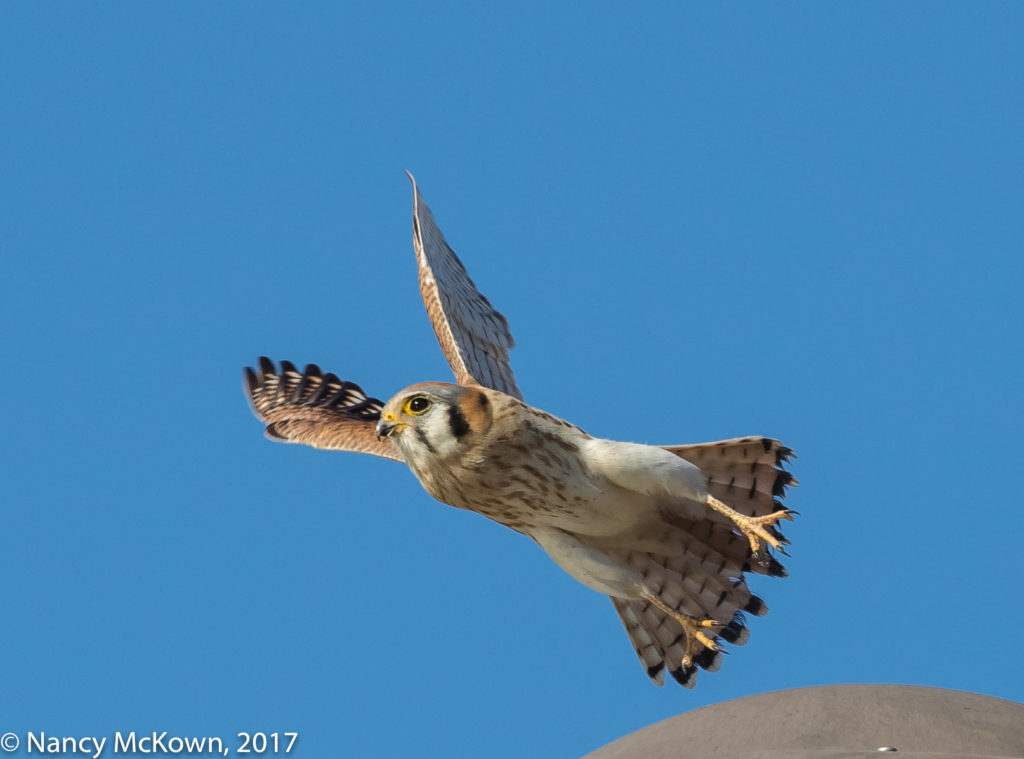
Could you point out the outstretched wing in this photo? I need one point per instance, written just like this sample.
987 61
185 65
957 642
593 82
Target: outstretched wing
474 336
316 409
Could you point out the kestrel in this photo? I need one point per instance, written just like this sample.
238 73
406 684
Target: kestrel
668 533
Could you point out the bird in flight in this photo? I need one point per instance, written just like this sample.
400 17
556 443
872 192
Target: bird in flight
669 533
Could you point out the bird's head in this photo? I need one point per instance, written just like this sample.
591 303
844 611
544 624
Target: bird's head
434 420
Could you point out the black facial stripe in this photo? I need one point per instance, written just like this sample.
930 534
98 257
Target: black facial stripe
423 439
457 422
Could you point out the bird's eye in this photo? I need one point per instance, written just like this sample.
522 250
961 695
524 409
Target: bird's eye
417 405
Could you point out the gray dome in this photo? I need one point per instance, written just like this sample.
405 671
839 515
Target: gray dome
835 721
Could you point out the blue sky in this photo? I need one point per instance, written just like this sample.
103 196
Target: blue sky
702 221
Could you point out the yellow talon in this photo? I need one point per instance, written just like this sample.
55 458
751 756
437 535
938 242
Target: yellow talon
754 527
693 629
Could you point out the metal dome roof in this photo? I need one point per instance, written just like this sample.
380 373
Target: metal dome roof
835 721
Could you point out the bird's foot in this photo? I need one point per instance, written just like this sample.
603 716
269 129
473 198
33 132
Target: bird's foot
758 530
696 637
700 633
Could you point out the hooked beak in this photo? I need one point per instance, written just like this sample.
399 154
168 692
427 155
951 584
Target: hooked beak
385 427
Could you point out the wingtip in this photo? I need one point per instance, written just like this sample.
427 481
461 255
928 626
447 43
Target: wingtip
271 433
251 387
411 178
251 380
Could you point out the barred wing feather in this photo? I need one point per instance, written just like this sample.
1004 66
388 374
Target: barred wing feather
315 409
473 334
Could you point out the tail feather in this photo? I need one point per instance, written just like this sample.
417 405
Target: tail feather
646 644
720 540
747 473
692 576
697 566
682 583
660 645
685 586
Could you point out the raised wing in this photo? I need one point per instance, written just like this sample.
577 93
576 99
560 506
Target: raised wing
316 409
474 336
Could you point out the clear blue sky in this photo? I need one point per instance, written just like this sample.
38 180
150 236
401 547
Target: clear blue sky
702 221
